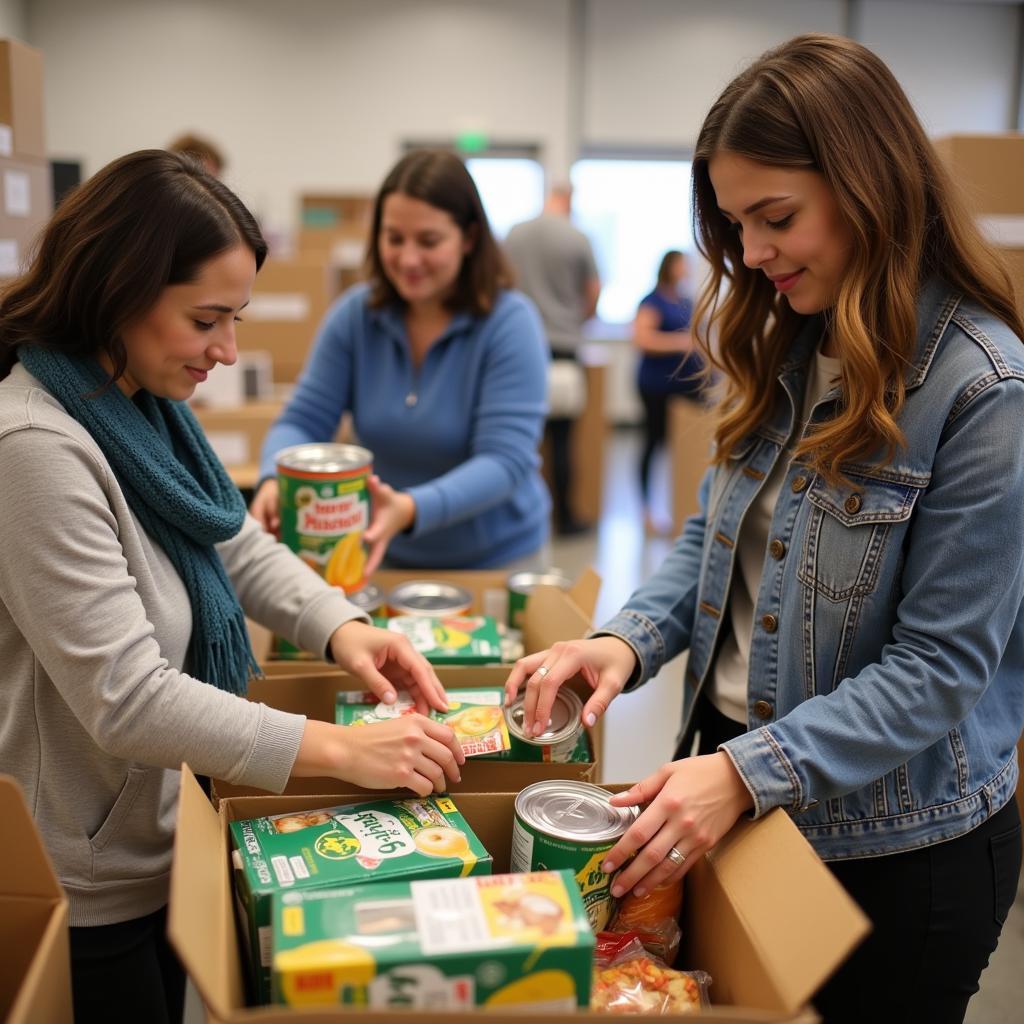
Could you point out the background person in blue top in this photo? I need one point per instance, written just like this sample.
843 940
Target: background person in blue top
668 364
851 593
444 369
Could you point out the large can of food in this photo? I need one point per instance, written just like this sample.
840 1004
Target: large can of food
566 824
429 597
521 584
325 507
558 742
369 599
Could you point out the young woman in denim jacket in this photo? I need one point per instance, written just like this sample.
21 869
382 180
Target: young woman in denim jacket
850 593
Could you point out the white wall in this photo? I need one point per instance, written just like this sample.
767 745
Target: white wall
14 19
306 94
302 95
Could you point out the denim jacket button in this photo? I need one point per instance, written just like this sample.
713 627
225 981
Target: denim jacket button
852 504
799 484
763 709
776 549
770 623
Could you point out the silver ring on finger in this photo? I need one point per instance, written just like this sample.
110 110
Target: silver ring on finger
543 671
676 856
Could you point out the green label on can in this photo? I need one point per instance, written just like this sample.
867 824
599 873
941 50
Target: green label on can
533 850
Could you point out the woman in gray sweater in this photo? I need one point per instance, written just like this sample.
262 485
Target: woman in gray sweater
129 564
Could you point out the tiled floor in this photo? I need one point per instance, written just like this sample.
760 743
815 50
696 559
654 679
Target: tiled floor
640 728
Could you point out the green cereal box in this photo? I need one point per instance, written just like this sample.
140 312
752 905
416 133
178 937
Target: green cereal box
451 640
505 941
475 714
346 845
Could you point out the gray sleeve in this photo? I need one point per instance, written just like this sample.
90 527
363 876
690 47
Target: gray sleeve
279 591
66 584
588 264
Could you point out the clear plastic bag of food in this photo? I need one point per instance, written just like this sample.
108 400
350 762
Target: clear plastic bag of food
654 917
628 979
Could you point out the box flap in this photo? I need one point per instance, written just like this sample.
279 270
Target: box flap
27 868
200 919
549 617
585 590
795 915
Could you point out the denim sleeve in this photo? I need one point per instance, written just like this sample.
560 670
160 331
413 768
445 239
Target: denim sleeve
961 592
657 620
507 422
324 388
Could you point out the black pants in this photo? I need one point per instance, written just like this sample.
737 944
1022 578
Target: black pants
126 972
936 915
655 429
560 433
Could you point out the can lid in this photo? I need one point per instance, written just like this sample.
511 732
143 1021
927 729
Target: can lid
566 715
565 809
424 597
324 458
523 582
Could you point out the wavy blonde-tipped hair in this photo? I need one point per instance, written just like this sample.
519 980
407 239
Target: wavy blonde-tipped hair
827 104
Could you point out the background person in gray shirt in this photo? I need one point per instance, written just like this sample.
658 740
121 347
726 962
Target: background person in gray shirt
129 564
556 268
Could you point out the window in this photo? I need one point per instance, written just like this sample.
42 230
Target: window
632 211
511 188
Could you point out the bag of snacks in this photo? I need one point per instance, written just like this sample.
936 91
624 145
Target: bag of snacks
628 979
654 917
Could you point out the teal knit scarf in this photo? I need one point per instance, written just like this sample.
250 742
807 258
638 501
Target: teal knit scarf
178 489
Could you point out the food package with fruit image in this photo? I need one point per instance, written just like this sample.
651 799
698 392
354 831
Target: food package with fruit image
520 942
451 639
346 845
474 714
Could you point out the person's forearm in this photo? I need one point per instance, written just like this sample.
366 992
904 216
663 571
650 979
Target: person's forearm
322 751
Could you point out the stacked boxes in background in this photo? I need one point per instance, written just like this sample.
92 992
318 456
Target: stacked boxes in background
26 190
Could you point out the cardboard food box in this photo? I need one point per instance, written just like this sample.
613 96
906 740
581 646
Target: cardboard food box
35 969
762 914
989 168
519 941
289 300
344 845
473 713
691 428
236 435
26 202
21 101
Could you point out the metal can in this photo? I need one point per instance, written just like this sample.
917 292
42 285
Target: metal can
428 597
520 585
325 507
557 743
369 599
566 824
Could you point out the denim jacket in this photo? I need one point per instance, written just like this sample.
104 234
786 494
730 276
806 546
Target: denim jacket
886 681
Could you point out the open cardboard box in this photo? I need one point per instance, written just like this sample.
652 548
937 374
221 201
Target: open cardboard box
35 969
762 914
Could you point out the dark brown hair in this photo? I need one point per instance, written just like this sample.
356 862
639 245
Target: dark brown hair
666 264
827 104
146 221
440 178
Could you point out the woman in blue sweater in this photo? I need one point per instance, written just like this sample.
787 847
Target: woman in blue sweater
443 368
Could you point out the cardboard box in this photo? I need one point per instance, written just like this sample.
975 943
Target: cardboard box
35 969
21 101
989 167
351 211
763 915
690 434
26 202
289 301
236 435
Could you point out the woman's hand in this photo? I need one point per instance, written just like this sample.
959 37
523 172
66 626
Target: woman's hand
393 512
383 660
411 752
264 506
605 662
691 804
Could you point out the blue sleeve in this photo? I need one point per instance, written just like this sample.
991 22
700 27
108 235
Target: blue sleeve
507 422
323 392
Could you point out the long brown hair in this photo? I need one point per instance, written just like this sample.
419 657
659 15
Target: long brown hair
827 104
440 178
148 220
